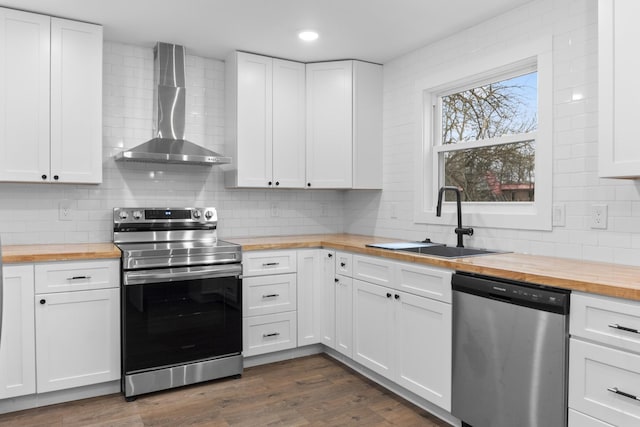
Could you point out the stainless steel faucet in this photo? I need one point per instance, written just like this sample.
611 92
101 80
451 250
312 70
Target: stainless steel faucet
460 231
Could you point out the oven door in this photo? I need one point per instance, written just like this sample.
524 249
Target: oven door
173 316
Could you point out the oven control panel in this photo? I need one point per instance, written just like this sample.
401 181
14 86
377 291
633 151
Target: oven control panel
166 215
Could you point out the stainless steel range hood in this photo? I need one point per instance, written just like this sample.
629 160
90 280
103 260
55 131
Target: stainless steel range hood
169 145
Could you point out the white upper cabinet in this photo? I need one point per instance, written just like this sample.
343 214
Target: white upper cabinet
344 125
24 96
50 99
76 101
329 124
288 124
265 121
619 94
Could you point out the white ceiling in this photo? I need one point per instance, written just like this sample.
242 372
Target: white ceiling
371 30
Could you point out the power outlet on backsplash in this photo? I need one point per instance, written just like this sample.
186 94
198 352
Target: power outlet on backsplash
599 216
65 211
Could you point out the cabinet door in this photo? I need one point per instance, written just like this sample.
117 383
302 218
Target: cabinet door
76 101
24 96
328 298
329 124
423 343
618 94
344 315
78 338
310 294
288 124
373 327
254 120
17 345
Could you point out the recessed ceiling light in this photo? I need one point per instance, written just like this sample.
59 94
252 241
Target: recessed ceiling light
308 35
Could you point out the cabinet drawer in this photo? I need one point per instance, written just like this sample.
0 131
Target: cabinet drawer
610 321
261 263
594 371
344 263
271 332
373 270
578 419
427 282
77 276
269 294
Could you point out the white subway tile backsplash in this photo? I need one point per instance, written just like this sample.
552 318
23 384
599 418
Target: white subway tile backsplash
573 27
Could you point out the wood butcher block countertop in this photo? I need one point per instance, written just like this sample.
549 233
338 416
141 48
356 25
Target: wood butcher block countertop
595 277
59 252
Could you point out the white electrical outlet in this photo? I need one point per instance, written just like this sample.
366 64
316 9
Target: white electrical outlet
598 216
65 213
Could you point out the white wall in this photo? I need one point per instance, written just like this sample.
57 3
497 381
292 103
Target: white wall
573 26
29 212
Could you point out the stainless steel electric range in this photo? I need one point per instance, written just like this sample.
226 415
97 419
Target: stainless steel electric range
181 298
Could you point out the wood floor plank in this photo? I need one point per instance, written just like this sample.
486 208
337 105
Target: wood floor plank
314 391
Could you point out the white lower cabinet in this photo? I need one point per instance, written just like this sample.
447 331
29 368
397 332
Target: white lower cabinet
270 332
66 337
423 342
405 338
344 315
328 298
604 361
270 301
77 338
578 419
373 325
309 295
17 343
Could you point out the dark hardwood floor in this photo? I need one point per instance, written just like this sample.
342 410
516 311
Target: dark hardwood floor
309 391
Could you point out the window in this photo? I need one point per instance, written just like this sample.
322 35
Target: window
487 130
485 139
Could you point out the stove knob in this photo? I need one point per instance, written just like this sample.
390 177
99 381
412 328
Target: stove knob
208 214
137 214
124 215
196 214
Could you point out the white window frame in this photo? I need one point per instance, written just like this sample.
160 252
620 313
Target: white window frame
532 55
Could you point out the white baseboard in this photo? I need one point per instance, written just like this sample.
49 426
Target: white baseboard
44 399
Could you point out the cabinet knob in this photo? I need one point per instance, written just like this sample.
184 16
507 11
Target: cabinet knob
330 255
277 183
42 301
55 177
397 296
336 280
308 184
342 264
269 183
44 176
388 295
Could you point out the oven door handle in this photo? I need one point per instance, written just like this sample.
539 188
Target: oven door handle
142 277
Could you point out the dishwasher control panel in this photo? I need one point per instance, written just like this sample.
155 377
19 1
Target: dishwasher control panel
521 293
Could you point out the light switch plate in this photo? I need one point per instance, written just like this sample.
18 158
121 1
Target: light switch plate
558 216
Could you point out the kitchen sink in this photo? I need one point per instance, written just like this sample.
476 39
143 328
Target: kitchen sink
448 251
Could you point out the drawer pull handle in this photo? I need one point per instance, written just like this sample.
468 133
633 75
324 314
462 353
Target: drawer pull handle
78 277
622 393
623 328
272 334
270 264
270 295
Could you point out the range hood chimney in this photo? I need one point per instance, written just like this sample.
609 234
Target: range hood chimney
169 145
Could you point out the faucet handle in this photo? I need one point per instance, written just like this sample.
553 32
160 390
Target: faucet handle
464 230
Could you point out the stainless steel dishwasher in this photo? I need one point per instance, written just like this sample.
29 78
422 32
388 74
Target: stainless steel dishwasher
510 353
